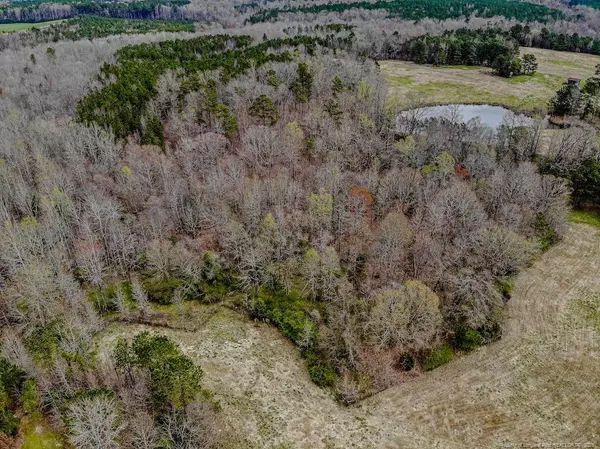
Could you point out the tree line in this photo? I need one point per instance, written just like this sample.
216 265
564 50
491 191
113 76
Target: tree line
554 41
41 11
90 27
580 168
434 9
487 47
590 3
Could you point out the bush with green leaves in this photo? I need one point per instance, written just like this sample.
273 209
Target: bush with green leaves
11 380
43 343
104 299
529 64
547 235
9 423
175 380
566 100
438 357
507 67
321 372
161 291
505 287
583 176
286 311
467 339
289 312
212 271
30 398
585 182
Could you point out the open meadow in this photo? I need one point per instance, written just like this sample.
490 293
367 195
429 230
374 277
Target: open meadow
468 84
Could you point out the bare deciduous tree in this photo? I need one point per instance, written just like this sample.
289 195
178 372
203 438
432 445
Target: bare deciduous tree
408 317
94 423
144 432
390 250
473 299
193 428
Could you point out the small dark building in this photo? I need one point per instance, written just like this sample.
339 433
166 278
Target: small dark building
574 81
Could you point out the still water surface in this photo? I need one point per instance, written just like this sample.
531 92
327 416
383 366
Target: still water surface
487 114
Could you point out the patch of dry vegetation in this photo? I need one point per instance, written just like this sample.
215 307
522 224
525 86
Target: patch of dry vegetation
455 84
537 384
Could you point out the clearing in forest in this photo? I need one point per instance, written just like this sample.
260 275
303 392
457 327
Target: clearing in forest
8 27
468 84
538 384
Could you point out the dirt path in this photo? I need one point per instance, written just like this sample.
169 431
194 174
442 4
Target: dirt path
540 383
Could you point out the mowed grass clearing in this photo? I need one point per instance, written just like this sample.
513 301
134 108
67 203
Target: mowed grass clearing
465 84
585 217
10 27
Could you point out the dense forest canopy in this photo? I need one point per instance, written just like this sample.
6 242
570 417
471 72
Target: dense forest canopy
27 3
39 11
93 27
590 3
131 83
435 9
149 181
281 161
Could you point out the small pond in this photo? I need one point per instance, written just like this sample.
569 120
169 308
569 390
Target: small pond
487 114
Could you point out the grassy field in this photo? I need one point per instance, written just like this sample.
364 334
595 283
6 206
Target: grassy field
463 84
585 217
8 27
37 435
537 385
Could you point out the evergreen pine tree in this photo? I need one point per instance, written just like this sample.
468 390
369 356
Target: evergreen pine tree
272 79
154 134
302 87
338 86
263 109
334 110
